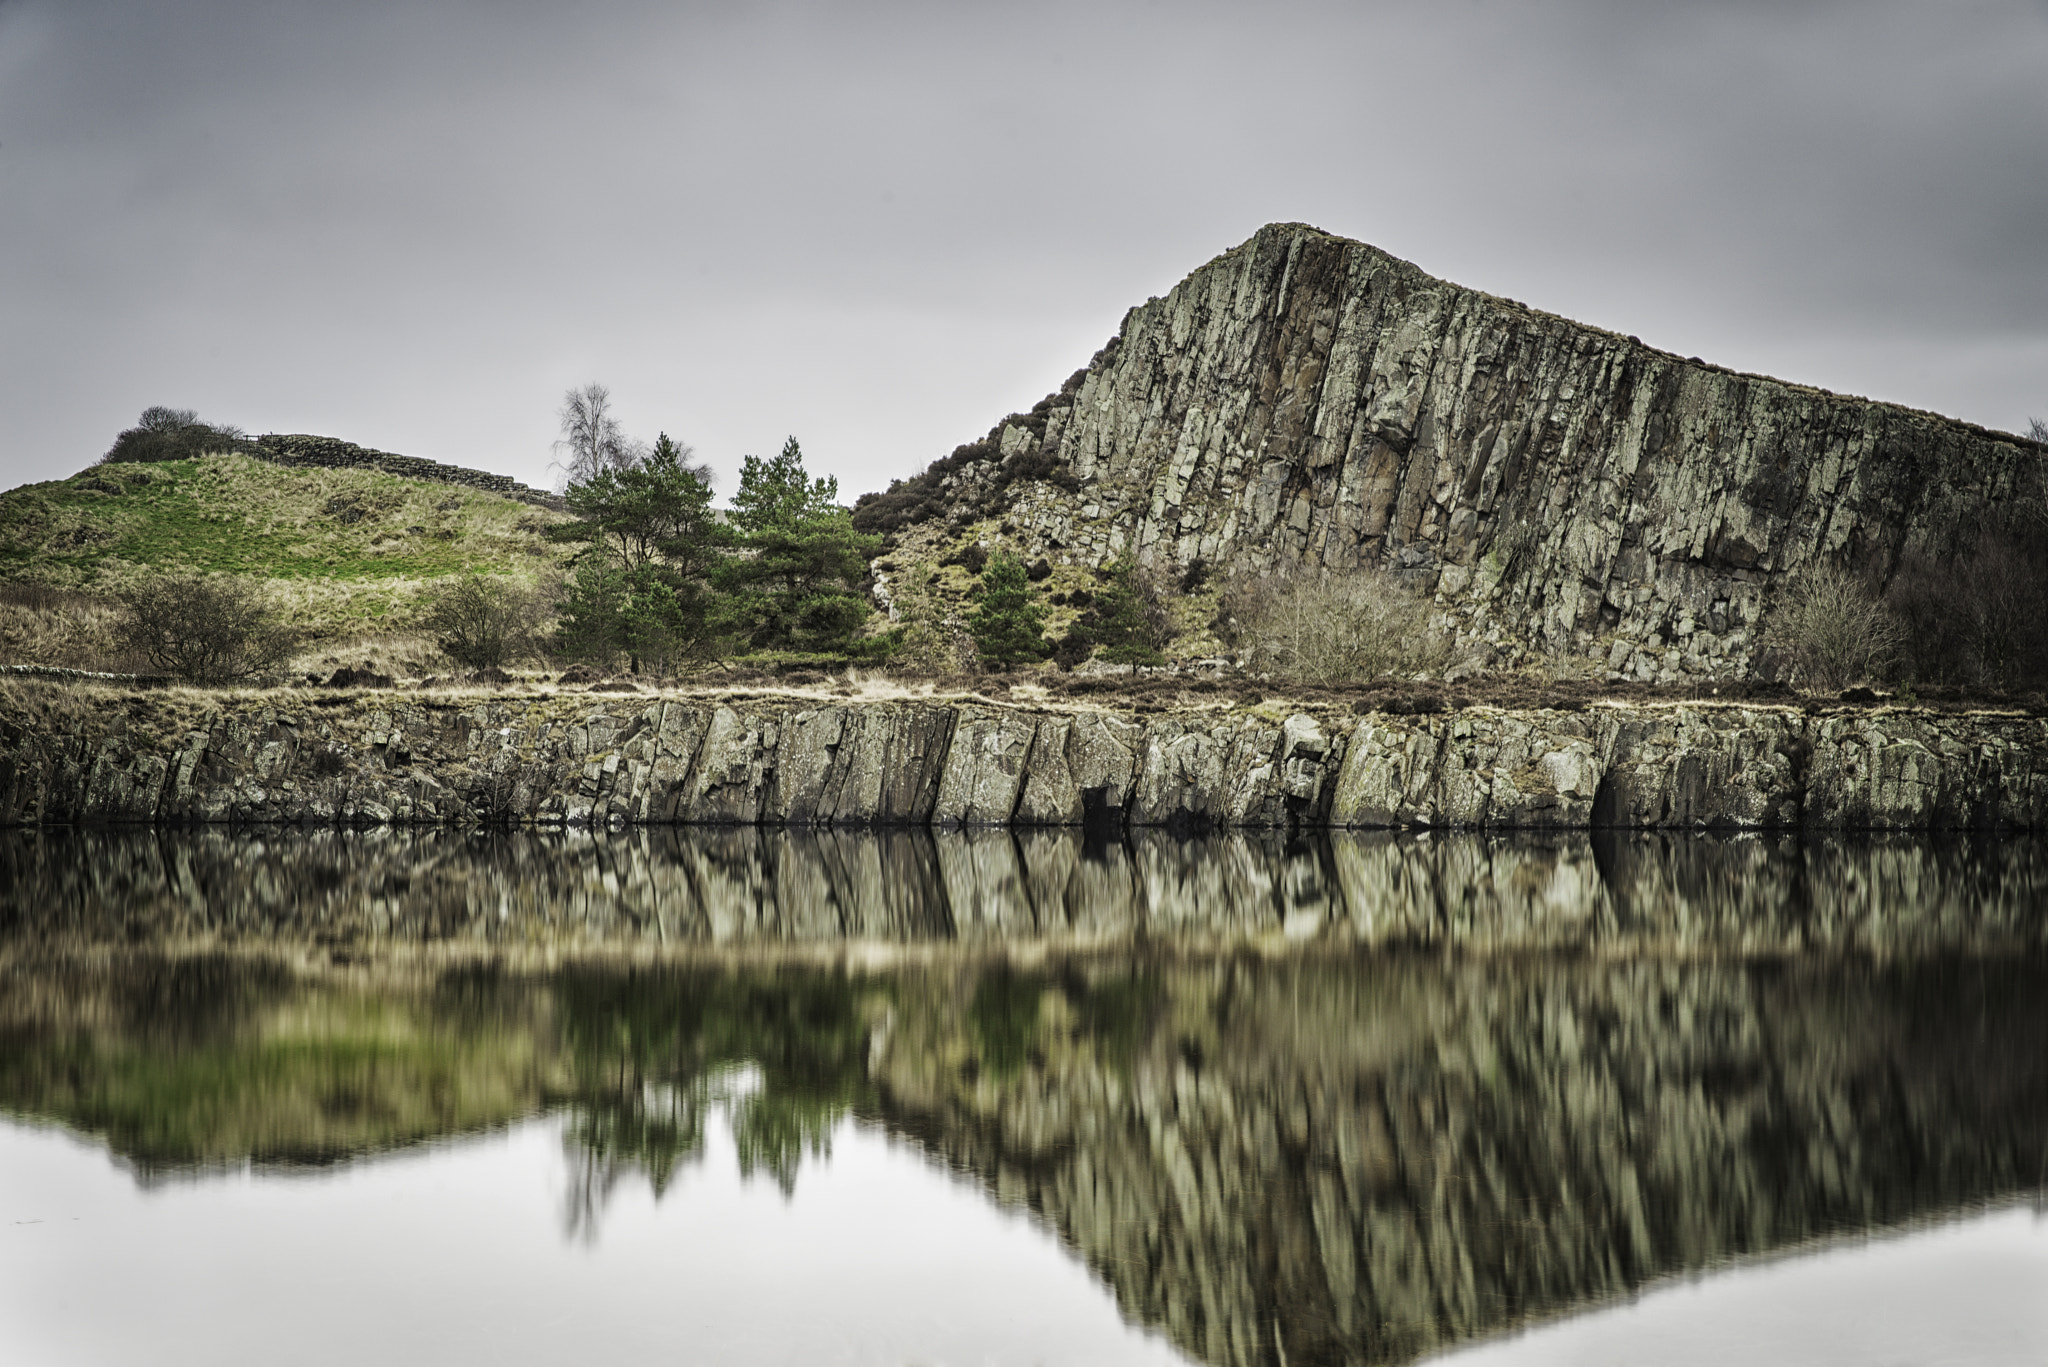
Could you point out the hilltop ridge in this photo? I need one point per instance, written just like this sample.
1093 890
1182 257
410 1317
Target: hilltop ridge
1558 490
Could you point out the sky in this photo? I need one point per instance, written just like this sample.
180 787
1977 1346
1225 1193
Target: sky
880 227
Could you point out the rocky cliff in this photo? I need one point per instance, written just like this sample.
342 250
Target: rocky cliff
1308 400
368 759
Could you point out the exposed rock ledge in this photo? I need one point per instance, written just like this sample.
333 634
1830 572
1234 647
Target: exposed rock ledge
372 759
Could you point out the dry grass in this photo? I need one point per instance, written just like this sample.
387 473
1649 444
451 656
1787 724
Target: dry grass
40 625
1334 630
340 551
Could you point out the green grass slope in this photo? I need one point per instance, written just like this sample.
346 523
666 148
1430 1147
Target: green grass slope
345 552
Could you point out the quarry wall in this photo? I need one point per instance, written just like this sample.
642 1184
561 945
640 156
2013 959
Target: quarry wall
576 759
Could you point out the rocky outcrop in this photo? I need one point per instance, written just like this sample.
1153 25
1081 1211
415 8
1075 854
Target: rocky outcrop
332 453
1308 400
358 760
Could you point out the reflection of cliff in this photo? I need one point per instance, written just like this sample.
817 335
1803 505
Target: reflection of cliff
1320 1156
671 888
1351 1161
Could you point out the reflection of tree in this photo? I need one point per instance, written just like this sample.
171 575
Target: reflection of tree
612 1137
784 1054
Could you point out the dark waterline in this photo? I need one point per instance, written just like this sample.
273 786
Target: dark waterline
1240 1080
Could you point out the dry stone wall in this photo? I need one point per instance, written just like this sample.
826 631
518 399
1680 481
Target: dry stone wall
1305 400
357 760
331 453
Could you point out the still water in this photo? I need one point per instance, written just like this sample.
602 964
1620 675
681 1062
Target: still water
749 1097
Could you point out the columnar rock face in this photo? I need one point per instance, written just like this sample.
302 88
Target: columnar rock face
778 761
1308 400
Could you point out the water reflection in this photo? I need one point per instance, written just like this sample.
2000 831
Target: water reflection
1617 892
1328 1155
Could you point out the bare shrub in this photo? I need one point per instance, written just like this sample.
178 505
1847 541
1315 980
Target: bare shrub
208 629
1331 629
1832 629
481 623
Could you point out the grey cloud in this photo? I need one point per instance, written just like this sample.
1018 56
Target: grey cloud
882 226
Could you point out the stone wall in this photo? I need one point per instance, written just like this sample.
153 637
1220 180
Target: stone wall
366 759
331 453
1308 400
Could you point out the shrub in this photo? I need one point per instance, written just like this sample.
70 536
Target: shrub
1832 629
1979 616
1330 629
175 434
1008 627
1129 619
480 623
206 629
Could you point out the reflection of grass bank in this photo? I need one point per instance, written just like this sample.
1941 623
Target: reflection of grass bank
239 1062
218 1059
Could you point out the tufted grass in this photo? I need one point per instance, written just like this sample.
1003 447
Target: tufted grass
341 552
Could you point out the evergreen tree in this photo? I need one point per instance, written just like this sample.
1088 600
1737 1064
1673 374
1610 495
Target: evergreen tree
801 588
641 589
1124 625
779 495
1008 627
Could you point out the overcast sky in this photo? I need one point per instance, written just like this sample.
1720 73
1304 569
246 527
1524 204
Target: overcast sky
882 226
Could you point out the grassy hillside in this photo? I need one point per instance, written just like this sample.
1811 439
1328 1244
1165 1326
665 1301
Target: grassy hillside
346 552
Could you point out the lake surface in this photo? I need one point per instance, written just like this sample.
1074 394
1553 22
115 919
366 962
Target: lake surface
743 1096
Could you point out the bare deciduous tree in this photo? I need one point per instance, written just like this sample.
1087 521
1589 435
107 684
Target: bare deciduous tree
592 441
1833 629
480 623
209 629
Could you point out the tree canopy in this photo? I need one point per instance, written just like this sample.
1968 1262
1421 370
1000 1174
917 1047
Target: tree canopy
1008 627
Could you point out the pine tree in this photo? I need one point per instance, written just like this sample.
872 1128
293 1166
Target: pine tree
640 589
1124 625
801 587
1008 628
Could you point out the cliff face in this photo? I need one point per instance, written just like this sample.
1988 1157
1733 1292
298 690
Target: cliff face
1305 399
370 760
